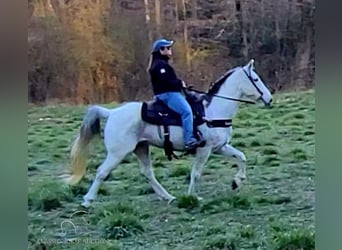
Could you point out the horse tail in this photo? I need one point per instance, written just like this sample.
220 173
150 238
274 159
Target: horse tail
79 148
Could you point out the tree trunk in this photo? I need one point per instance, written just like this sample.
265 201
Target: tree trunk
176 13
30 11
185 36
148 20
244 32
194 9
158 17
59 9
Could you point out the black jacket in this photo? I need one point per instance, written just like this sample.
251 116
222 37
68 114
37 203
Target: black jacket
163 76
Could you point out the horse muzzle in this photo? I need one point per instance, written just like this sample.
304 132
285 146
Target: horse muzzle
266 103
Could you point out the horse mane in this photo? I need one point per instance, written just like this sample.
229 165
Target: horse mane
215 86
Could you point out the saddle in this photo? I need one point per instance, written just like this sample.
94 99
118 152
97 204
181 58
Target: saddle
157 113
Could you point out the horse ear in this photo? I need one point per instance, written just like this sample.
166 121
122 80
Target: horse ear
251 64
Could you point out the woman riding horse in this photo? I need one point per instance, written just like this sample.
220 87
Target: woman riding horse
167 88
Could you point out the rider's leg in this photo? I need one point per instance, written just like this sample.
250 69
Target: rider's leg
177 102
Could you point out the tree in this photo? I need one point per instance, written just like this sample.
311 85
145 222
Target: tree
194 9
148 20
158 16
185 37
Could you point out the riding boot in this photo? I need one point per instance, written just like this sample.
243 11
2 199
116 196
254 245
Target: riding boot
194 144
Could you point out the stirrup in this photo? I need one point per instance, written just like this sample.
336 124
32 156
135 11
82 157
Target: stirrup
192 150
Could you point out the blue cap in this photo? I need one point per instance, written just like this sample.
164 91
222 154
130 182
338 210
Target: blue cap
161 43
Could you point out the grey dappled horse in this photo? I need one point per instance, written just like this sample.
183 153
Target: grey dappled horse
125 132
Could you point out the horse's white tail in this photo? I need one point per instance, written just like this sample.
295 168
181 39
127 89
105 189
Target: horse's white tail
79 148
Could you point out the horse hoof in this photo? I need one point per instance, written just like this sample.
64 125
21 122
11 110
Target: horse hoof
234 185
199 198
171 200
85 204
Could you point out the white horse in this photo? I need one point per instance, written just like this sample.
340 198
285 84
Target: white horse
125 132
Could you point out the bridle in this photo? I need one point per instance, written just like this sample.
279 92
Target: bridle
237 99
249 76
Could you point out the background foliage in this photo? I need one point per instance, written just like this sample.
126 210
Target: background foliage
86 51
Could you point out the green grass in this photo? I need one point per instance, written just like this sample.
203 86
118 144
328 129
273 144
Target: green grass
187 202
221 242
274 209
117 220
295 239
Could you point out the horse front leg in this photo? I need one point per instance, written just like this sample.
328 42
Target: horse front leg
229 152
202 155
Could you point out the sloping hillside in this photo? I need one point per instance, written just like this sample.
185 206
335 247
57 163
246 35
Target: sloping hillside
273 210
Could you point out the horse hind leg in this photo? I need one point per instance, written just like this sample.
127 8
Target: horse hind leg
115 154
102 172
143 154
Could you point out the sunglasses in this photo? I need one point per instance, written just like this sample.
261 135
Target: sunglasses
167 47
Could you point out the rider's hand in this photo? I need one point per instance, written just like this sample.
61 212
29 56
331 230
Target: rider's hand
184 84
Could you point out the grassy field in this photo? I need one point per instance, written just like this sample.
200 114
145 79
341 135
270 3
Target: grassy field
274 209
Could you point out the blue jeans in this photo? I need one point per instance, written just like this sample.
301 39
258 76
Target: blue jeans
177 102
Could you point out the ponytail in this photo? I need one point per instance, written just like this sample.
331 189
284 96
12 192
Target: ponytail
150 63
154 55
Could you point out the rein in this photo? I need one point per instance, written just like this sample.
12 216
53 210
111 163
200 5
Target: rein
223 97
231 98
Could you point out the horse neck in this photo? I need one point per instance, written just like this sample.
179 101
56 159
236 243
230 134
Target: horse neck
220 108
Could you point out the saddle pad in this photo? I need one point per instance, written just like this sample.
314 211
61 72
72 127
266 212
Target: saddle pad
157 113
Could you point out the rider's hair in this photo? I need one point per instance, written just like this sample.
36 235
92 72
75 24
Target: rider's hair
151 59
149 63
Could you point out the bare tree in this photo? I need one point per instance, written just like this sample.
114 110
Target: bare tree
242 11
185 37
148 19
194 9
158 16
176 13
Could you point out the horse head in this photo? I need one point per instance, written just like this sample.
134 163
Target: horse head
252 86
